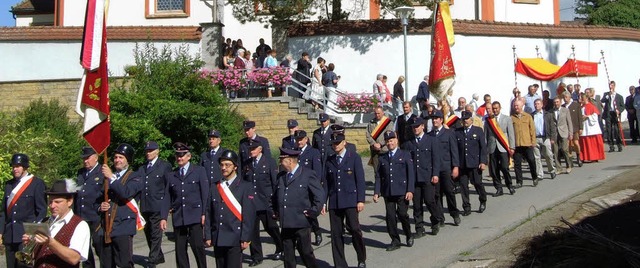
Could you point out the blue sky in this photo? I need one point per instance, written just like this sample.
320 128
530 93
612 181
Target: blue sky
6 18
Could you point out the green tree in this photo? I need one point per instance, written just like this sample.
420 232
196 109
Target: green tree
620 13
167 101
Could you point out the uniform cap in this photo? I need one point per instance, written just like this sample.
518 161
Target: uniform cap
299 134
437 114
151 145
390 135
285 152
417 122
248 124
254 144
323 117
465 115
214 133
337 137
291 123
87 151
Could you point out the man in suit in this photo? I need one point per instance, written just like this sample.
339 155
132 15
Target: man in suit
186 197
345 188
29 190
153 177
229 225
564 127
209 158
260 169
375 136
422 97
395 182
403 123
250 134
289 141
500 146
613 106
425 154
546 135
322 137
298 199
302 74
310 158
121 211
473 161
631 114
525 142
449 163
86 202
575 111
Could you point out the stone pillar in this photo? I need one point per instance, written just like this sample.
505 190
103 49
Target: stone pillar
279 36
211 44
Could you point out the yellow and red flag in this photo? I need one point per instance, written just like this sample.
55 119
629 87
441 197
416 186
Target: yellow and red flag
442 73
93 95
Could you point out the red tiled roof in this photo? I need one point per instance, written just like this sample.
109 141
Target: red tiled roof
26 4
50 33
468 27
27 7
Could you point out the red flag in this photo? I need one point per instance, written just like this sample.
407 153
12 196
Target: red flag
442 72
93 95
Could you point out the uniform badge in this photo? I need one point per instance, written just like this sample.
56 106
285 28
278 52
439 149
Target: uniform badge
475 136
349 172
97 179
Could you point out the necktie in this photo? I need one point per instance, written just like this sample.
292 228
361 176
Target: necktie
322 132
213 152
390 154
255 162
418 139
466 131
227 182
289 178
118 176
182 172
149 165
339 159
437 131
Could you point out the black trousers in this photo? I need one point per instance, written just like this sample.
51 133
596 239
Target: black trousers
153 234
473 175
447 190
271 226
10 254
315 226
525 152
193 235
425 193
499 163
337 218
228 257
118 253
300 238
396 208
613 132
633 126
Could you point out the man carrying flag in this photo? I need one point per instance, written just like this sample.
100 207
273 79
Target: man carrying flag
442 73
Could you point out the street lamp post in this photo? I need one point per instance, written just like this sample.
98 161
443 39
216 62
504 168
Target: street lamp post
404 12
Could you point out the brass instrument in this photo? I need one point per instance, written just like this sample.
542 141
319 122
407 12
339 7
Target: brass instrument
26 254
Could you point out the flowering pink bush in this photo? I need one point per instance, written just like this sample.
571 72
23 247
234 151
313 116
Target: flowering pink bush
237 79
232 80
359 103
277 76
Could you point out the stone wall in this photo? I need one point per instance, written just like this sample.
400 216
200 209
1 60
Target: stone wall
271 117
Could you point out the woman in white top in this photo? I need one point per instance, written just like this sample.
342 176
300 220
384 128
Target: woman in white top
317 91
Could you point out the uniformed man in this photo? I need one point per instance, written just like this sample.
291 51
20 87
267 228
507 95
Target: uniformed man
24 201
322 137
209 158
250 134
230 214
260 169
345 188
310 158
472 149
395 182
338 129
289 141
87 199
153 173
298 200
121 214
187 195
449 164
375 136
425 153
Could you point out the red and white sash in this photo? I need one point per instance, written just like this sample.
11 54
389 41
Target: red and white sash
133 206
230 200
17 192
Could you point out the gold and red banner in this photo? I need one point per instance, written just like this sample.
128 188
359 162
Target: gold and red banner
441 72
502 138
543 70
382 125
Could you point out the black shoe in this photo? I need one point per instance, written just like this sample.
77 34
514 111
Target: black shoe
483 206
151 265
420 233
498 193
535 182
318 240
579 162
410 241
362 265
435 229
393 247
512 190
466 212
611 150
277 256
518 184
553 176
619 148
255 263
456 220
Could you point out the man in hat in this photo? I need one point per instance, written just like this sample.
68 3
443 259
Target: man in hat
32 206
153 177
473 161
338 129
310 158
449 163
186 198
375 136
68 241
230 214
345 188
121 213
297 200
425 153
209 158
250 134
403 123
87 200
260 169
290 141
322 137
395 182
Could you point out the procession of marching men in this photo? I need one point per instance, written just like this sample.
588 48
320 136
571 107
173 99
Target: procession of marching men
226 199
